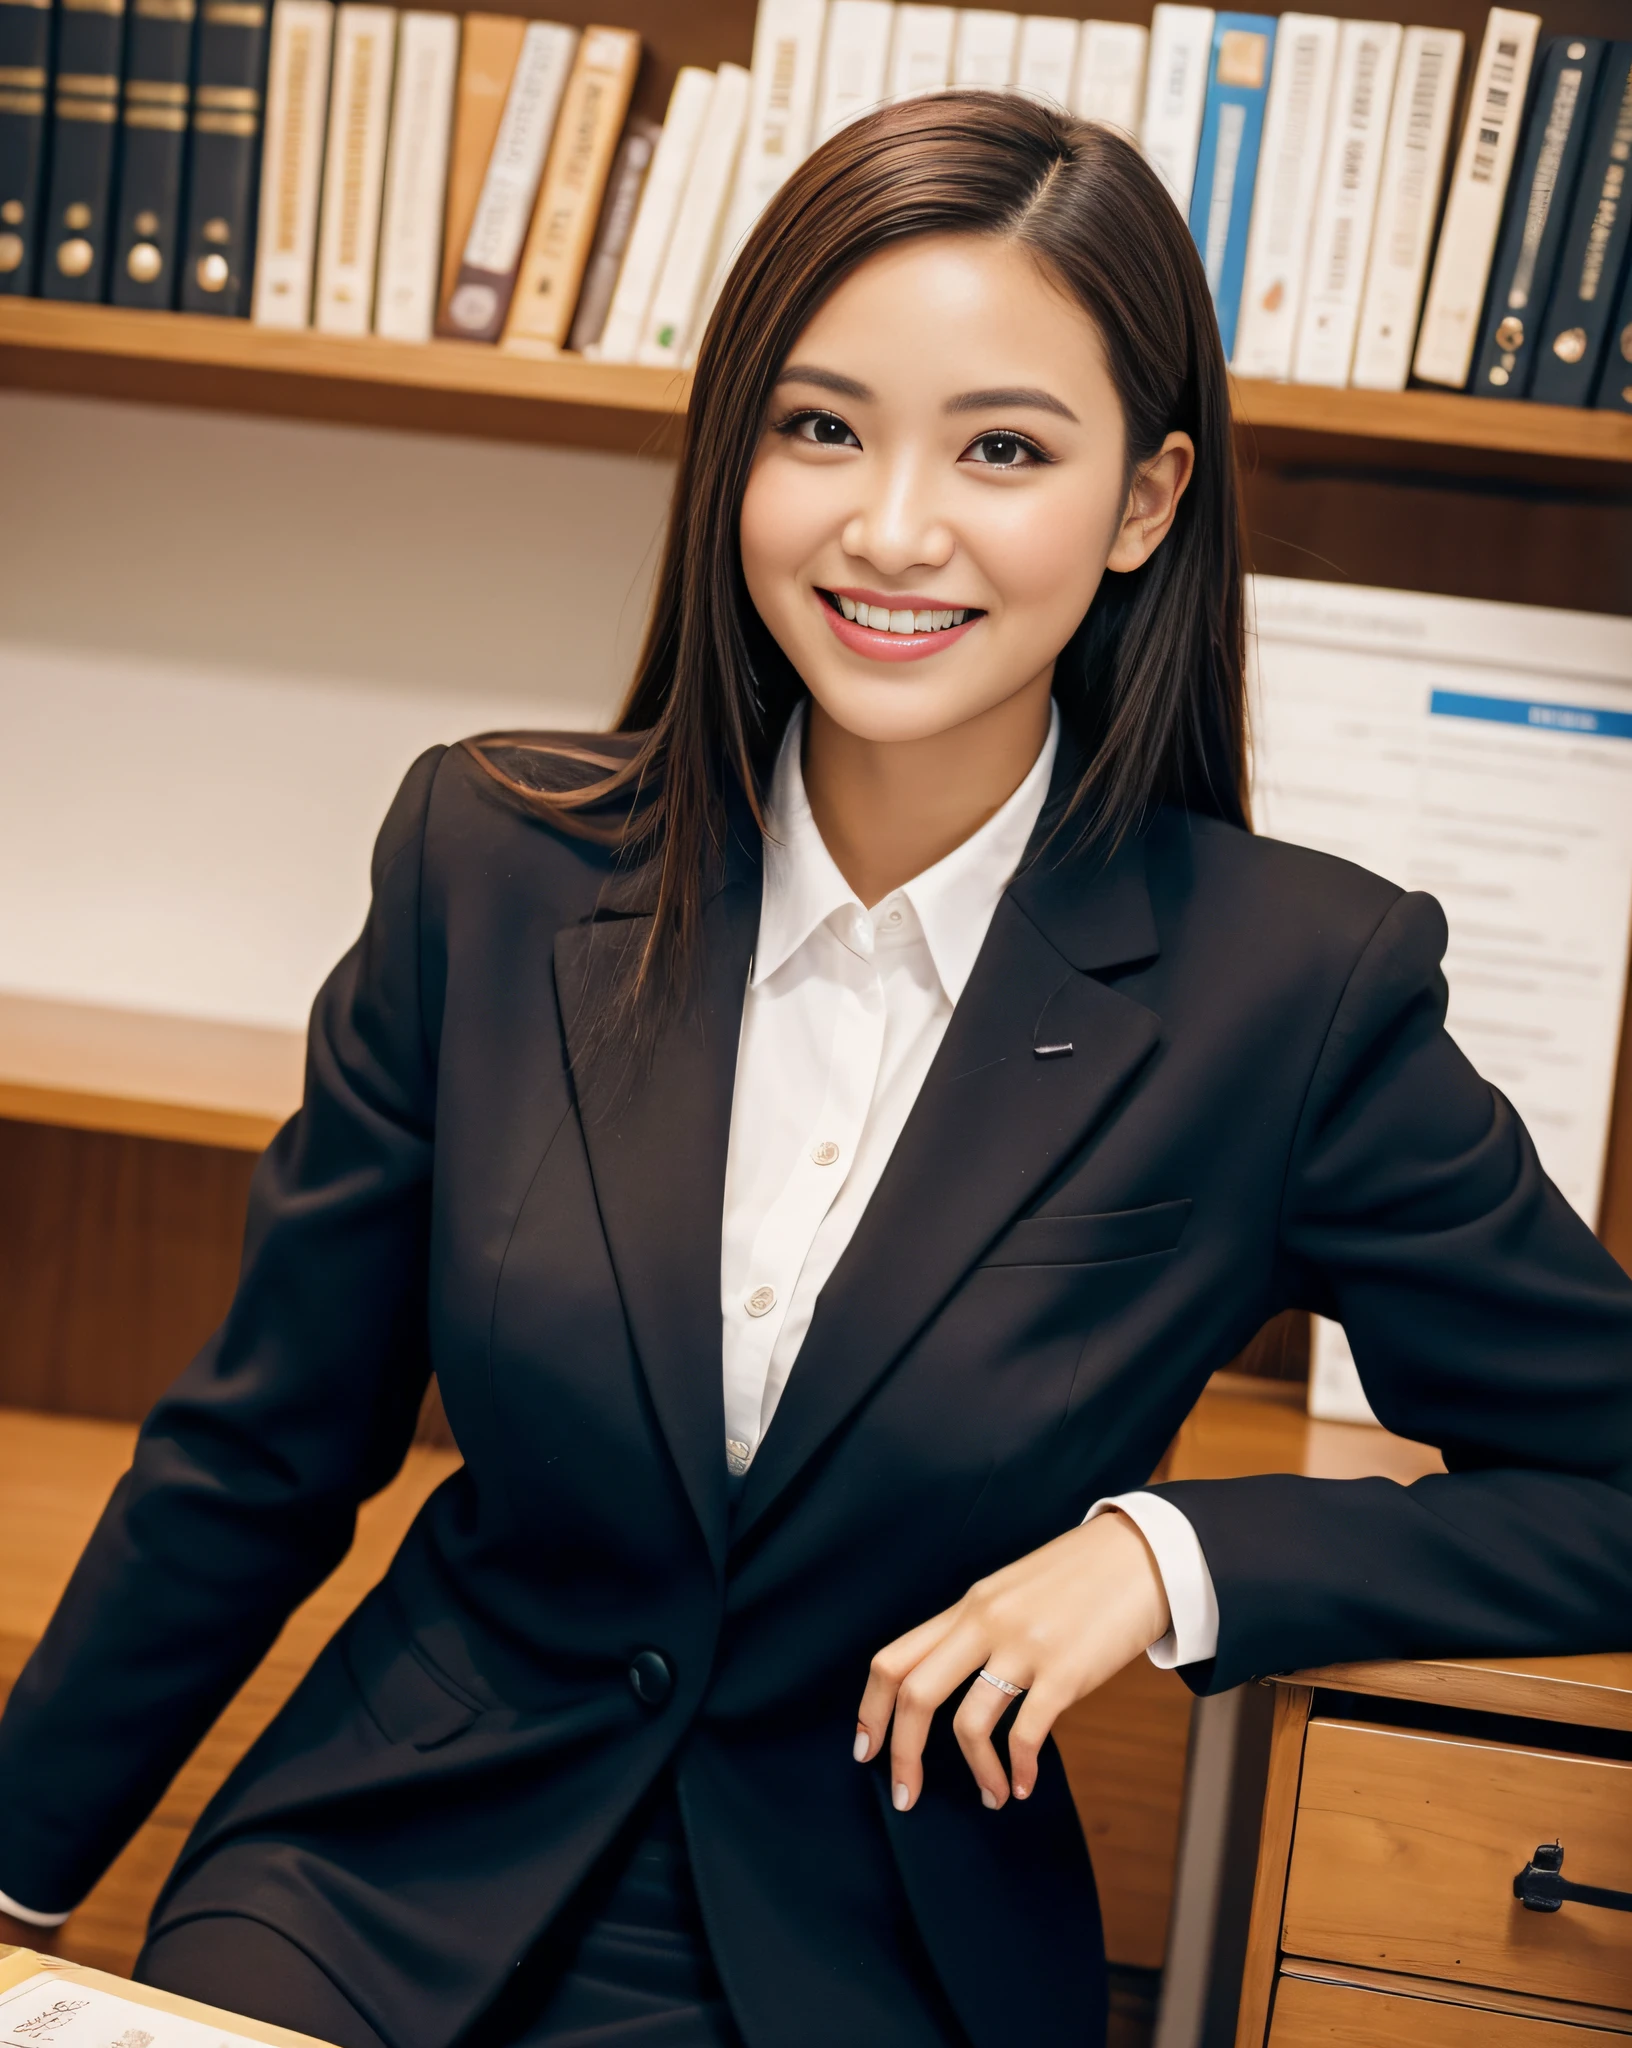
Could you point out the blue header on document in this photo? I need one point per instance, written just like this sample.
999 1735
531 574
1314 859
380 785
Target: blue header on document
1565 718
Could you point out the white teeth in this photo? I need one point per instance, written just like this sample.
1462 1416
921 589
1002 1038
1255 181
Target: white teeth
882 620
847 605
940 621
900 622
923 622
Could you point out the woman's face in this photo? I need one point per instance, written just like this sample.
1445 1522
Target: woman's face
940 486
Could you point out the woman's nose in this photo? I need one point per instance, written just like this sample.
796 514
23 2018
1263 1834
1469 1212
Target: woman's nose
897 523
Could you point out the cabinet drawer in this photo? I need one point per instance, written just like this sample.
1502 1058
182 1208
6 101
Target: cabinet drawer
1343 2016
1406 1847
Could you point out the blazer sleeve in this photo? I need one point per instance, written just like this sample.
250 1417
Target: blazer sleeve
243 1491
1485 1318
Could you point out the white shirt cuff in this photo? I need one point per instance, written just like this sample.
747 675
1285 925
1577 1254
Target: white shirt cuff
1191 1600
28 1916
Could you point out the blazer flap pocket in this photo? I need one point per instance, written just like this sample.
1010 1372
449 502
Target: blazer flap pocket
409 1700
1091 1240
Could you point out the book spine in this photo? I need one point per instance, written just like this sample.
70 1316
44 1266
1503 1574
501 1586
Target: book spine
487 266
920 50
416 176
1221 203
983 52
855 61
1368 55
224 143
1576 324
1550 154
1283 203
781 109
1045 61
85 115
1110 83
348 228
630 168
1419 134
580 161
659 204
1615 379
25 71
488 52
297 104
1473 210
152 150
1181 41
676 312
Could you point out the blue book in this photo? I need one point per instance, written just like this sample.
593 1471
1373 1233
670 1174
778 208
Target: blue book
1615 379
1570 351
1232 126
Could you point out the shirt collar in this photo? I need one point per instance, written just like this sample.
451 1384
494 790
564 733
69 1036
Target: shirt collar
954 900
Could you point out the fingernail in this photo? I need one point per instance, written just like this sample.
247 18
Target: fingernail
864 1746
902 1798
1022 1791
988 1800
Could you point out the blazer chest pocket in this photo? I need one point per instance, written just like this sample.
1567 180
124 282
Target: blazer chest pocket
408 1701
1092 1240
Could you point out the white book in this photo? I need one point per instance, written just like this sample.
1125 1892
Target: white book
781 109
1473 208
1181 41
1110 83
297 105
855 63
365 43
677 314
416 176
1419 133
1045 63
1368 55
1283 198
921 50
654 223
983 49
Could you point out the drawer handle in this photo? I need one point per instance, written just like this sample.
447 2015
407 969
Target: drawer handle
1542 1887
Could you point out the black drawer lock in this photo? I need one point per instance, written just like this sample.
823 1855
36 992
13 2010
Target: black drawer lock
1542 1887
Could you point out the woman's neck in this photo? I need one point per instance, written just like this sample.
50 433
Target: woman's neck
889 809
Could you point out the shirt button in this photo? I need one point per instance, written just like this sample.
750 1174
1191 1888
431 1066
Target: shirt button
736 1456
761 1301
651 1677
825 1153
893 918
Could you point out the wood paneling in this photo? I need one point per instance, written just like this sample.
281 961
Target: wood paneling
1586 1692
1406 1849
1479 1997
1313 2015
1274 1848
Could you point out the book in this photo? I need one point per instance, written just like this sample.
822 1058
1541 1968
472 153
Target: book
84 135
781 108
855 63
593 107
630 169
676 314
297 111
348 224
1232 126
416 176
25 70
1576 324
1045 59
1110 83
480 299
1473 207
983 49
1414 151
488 51
42 1997
654 223
1615 379
224 146
1368 56
1538 202
152 149
921 49
1283 203
1181 42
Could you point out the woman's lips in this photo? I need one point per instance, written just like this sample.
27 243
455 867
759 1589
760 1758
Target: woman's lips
879 644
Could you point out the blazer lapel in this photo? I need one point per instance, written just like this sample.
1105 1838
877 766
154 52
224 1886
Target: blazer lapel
656 1134
992 1123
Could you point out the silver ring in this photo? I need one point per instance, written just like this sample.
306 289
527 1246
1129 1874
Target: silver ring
1002 1684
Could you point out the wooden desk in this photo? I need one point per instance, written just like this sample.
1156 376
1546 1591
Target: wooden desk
1403 1801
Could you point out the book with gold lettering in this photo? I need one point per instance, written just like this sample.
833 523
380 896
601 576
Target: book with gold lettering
569 199
77 225
488 50
218 242
416 176
152 146
44 1999
348 229
297 109
25 70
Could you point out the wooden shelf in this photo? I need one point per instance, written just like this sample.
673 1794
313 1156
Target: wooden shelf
459 388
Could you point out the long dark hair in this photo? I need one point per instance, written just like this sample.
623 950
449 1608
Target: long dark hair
1150 685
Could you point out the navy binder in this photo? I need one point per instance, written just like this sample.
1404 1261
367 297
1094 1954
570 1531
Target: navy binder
74 231
1615 378
218 241
1570 348
25 70
153 143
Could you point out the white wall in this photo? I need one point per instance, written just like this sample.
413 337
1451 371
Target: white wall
222 640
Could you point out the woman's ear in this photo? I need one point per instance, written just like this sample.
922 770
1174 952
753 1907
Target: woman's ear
1153 501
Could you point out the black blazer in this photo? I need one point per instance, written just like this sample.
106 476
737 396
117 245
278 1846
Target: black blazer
1261 1109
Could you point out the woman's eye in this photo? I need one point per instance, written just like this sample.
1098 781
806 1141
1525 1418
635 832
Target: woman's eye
820 429
1005 451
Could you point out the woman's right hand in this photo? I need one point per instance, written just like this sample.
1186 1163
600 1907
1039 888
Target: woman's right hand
18 1934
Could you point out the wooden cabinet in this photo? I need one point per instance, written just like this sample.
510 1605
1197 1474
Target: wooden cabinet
1404 1800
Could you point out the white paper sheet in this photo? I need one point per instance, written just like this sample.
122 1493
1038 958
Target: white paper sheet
51 2011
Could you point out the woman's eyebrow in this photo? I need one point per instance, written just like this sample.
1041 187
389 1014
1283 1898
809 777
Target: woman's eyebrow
995 401
824 380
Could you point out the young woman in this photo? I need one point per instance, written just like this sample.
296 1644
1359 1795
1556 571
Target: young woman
822 1137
